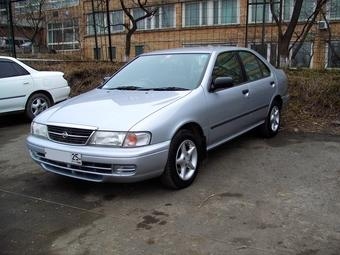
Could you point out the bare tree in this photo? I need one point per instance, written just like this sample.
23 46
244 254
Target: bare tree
131 24
286 31
33 17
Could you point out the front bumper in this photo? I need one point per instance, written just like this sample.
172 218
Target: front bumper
102 164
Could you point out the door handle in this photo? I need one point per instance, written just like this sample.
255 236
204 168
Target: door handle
272 84
245 92
26 83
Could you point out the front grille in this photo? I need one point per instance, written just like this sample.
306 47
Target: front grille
87 171
69 135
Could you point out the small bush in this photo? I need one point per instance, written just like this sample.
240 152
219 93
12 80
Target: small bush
315 100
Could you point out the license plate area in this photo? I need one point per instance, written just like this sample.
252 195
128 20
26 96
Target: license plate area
62 156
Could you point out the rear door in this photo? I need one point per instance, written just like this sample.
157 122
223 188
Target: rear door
15 86
261 85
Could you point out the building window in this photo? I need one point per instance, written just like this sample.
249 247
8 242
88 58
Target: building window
58 4
167 16
225 12
307 9
334 9
212 12
193 14
97 53
3 17
29 6
334 54
303 57
100 20
63 35
113 52
163 18
258 11
139 49
116 21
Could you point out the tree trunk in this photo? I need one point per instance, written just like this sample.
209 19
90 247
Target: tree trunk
284 52
128 46
128 43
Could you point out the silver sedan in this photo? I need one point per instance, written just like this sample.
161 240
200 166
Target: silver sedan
159 115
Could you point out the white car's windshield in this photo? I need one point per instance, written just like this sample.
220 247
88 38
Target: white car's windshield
161 72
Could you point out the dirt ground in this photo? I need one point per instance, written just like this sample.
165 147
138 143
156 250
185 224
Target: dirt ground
253 196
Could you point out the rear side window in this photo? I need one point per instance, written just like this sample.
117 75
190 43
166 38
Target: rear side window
11 69
255 69
228 65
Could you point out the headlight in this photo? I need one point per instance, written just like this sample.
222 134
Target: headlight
108 138
120 139
38 129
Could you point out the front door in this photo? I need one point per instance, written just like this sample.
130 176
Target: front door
227 106
15 85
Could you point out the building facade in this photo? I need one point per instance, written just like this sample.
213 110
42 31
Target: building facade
81 26
211 22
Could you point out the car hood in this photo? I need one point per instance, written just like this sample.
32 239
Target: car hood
116 110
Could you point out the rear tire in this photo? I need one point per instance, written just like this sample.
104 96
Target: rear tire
183 160
36 104
271 126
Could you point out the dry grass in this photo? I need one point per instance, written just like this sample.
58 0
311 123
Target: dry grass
82 76
314 105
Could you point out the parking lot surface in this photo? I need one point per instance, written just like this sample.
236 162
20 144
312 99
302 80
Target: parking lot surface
252 196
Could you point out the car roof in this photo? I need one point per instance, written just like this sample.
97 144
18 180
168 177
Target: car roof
207 49
28 68
6 57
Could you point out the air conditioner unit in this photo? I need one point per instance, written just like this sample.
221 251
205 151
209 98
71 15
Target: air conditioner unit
322 25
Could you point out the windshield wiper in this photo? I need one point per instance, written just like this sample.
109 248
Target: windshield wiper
169 88
127 88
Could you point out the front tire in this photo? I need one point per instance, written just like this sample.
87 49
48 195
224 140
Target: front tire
183 160
273 121
36 104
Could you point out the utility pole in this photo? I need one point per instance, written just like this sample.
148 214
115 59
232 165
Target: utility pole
109 28
11 28
95 30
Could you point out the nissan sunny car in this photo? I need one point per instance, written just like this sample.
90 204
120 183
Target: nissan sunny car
159 115
23 88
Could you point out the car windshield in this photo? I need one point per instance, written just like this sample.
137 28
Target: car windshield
161 72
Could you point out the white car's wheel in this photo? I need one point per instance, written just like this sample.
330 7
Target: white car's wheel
36 104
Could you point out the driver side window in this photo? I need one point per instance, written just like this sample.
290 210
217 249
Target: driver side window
227 65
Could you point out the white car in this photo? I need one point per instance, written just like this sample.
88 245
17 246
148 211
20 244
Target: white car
23 88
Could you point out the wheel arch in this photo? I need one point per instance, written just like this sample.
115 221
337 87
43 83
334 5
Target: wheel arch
197 130
278 99
46 93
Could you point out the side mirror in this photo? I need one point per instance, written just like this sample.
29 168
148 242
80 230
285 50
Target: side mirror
221 83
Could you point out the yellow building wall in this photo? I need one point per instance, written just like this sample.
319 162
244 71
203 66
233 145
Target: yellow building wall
183 36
